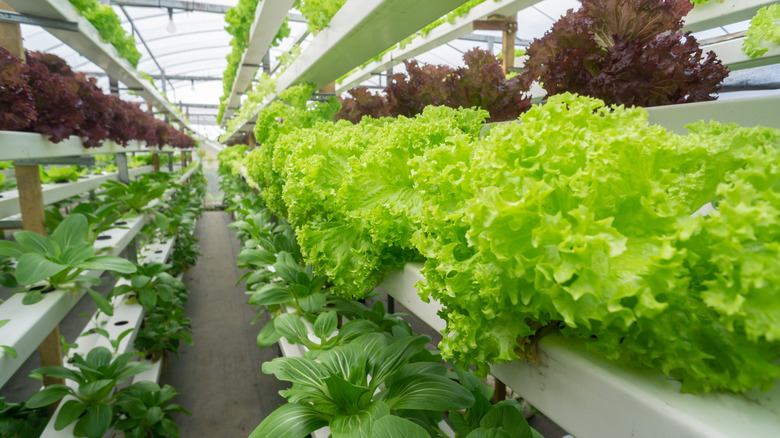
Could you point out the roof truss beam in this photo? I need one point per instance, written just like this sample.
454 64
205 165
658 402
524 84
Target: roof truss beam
174 4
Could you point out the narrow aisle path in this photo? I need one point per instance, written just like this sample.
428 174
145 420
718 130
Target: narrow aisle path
220 377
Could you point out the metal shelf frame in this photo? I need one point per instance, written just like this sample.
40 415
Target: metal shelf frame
358 31
269 17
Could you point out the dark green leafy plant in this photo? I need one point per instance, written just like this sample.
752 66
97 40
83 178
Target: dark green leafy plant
338 388
99 217
93 400
163 331
503 420
165 326
136 195
145 412
7 278
17 420
61 259
151 284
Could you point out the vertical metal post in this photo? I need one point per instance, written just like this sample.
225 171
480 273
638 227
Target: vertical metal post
124 177
113 86
390 304
267 63
121 165
170 162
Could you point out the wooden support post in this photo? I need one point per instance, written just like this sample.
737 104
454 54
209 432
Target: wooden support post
156 161
183 160
149 107
508 46
252 142
508 25
330 88
390 304
499 394
11 34
28 182
170 162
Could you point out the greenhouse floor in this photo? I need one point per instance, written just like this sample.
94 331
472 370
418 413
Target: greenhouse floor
220 376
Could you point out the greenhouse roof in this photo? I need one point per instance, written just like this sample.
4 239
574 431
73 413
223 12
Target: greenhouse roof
188 44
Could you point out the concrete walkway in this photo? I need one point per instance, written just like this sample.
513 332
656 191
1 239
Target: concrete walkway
220 377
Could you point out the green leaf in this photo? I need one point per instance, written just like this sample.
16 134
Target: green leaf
31 298
108 263
162 221
33 242
58 372
268 335
10 249
71 231
269 294
154 415
347 361
47 396
9 350
298 370
312 303
345 394
34 267
286 267
76 254
70 411
508 418
102 303
325 324
428 392
390 360
147 298
290 421
395 427
96 387
97 420
488 433
359 424
291 327
139 281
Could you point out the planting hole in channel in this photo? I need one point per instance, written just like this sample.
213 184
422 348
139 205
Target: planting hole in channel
103 237
43 288
120 323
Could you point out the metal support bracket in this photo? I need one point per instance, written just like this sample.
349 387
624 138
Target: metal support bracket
10 225
10 17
